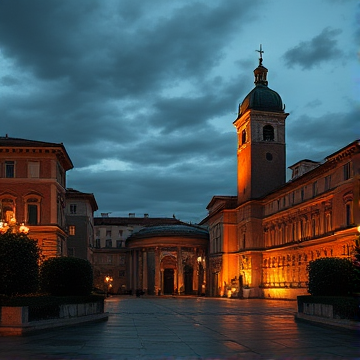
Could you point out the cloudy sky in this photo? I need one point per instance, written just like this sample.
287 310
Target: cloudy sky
143 93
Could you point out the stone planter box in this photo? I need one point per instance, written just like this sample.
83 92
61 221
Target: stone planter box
323 314
15 320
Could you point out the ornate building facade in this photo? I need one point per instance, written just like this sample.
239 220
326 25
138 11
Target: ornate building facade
32 190
169 260
113 258
264 237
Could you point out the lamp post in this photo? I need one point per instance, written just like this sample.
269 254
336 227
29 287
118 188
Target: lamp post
13 227
108 282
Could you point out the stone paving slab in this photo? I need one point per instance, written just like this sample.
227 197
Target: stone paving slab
188 328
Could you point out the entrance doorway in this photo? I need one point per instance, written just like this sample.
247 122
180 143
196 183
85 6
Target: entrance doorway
168 281
188 280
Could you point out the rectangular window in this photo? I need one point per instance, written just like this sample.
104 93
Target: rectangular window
72 208
119 243
72 230
33 169
327 182
315 188
9 169
71 252
121 273
121 233
97 243
108 233
302 194
32 214
348 215
108 243
347 171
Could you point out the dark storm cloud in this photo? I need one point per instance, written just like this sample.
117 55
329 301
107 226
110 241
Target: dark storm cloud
308 137
89 45
321 48
86 56
162 188
141 93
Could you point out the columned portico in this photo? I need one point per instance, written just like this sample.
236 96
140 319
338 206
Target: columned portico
169 260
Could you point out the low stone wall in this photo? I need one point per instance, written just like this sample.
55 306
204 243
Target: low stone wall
323 314
15 320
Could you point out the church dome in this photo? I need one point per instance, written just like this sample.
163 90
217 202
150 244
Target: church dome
261 97
170 230
169 235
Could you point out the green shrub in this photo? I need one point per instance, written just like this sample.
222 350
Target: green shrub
19 258
65 276
331 277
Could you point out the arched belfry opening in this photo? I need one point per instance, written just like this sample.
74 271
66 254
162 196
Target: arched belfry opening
268 133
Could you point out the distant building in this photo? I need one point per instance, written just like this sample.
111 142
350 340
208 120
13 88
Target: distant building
152 254
32 190
264 237
80 208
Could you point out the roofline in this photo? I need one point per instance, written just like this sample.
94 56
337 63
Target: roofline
26 143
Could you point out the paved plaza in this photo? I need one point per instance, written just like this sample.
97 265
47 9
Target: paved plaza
188 328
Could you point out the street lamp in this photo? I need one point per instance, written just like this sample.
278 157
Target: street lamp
13 226
108 282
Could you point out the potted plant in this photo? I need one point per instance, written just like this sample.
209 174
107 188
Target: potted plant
246 291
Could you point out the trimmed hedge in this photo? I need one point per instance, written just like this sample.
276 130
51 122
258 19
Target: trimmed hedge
65 276
19 270
331 277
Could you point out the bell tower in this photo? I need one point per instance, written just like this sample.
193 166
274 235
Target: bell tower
260 127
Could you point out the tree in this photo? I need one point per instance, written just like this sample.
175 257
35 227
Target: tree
19 259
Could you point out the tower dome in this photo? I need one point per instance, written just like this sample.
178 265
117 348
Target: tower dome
261 97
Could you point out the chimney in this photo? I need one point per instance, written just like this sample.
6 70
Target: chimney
132 215
146 215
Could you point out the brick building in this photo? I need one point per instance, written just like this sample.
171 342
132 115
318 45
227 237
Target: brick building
32 190
264 237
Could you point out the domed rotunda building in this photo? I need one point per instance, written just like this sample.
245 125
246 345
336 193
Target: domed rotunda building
168 259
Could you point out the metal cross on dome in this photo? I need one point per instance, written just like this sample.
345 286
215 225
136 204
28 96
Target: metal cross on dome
261 51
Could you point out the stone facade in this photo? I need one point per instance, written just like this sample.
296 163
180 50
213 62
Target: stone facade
32 190
169 260
264 237
80 208
111 256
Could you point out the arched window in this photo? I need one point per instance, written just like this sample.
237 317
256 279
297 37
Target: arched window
243 137
7 209
32 209
348 201
268 133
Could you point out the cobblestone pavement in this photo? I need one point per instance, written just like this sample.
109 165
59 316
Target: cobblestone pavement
188 328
